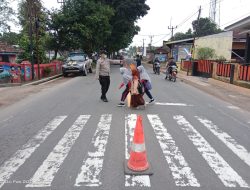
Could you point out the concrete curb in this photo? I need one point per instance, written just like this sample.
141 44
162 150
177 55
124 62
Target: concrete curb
43 80
10 85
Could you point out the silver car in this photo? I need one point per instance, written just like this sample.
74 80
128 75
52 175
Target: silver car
77 63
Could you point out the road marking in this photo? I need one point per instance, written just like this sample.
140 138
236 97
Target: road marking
11 166
233 107
46 172
132 180
181 172
227 175
238 149
92 165
7 119
171 104
232 96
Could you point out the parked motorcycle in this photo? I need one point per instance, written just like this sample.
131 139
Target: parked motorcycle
172 73
157 67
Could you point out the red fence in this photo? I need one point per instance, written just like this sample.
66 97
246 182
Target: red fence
15 73
244 72
223 69
186 65
205 66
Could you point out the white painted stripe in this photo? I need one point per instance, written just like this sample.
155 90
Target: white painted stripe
131 180
11 166
182 173
227 175
171 104
46 172
138 147
231 143
233 107
92 165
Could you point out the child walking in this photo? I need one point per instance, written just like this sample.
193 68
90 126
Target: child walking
127 78
146 82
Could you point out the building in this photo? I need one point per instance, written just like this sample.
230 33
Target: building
180 49
8 53
241 34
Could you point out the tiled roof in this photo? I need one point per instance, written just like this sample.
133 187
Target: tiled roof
4 47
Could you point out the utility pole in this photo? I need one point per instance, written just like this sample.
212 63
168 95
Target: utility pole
37 23
198 21
171 28
143 47
195 34
30 15
151 40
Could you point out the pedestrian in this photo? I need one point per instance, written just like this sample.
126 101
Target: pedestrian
136 89
138 61
103 73
146 82
127 78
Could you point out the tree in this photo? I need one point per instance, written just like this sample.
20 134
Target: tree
6 15
127 12
80 25
205 27
181 36
11 38
32 18
95 24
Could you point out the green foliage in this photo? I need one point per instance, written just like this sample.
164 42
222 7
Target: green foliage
24 44
47 71
6 15
11 38
80 25
127 12
205 53
33 27
181 36
202 28
93 24
221 58
205 27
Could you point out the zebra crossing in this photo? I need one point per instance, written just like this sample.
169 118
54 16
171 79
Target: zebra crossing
90 173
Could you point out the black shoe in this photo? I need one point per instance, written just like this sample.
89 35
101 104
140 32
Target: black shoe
105 99
151 101
121 105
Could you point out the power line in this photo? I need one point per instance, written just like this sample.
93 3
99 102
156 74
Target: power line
161 38
236 19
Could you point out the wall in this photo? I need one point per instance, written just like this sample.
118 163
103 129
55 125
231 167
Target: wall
221 43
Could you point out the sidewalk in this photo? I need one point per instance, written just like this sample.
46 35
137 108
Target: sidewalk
35 82
12 94
236 95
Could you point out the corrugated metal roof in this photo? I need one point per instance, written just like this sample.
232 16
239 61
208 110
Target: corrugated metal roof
178 41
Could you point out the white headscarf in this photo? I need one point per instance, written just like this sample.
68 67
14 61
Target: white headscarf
143 73
126 75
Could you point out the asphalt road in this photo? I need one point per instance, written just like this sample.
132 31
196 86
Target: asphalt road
65 138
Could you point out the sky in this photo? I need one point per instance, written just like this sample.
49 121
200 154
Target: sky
164 13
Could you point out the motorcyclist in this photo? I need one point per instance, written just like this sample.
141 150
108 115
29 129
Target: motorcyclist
169 65
156 63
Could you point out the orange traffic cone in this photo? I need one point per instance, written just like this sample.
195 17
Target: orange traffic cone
138 161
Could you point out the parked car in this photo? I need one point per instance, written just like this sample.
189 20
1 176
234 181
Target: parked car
77 63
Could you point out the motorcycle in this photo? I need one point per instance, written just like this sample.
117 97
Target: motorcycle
172 75
157 67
